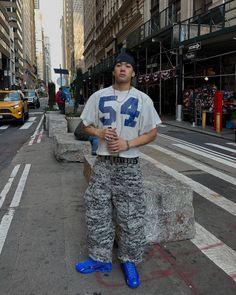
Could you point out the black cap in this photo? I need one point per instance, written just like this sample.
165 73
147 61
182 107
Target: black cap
125 57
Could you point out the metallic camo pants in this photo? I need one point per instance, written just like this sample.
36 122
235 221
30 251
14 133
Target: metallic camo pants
115 193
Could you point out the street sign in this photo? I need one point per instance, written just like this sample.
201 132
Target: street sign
190 55
61 71
61 82
194 46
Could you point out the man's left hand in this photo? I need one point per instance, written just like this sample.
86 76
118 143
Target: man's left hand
117 145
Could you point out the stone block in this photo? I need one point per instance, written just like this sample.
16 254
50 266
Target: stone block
169 209
88 166
57 125
72 123
68 149
47 114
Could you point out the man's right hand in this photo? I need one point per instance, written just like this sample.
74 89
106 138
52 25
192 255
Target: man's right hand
109 134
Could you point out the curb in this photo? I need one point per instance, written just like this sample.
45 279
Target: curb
199 131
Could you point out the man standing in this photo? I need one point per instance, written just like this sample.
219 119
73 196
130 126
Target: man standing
123 118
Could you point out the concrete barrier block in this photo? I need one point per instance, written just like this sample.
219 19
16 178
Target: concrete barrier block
57 125
47 114
169 209
68 149
88 166
72 123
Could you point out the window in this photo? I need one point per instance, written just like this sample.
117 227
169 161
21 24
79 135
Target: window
200 6
174 10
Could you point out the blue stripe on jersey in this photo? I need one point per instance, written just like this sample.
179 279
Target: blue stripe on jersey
129 107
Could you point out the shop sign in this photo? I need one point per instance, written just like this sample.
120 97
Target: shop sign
190 55
195 46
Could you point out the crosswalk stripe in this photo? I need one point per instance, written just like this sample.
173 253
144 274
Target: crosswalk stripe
221 147
4 127
32 119
231 143
198 147
196 164
202 190
36 113
209 156
218 252
26 125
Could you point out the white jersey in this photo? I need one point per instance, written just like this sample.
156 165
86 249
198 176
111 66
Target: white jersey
131 112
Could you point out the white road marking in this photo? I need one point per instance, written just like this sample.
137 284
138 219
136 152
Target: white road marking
36 113
36 132
8 185
32 119
202 190
231 143
4 227
19 190
4 127
26 125
40 136
221 147
162 125
7 218
198 147
195 164
218 252
228 162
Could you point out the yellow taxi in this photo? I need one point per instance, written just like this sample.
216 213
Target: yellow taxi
13 106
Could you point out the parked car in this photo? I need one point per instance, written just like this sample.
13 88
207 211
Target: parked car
32 96
13 106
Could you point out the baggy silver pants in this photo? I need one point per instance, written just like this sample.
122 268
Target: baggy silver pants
117 187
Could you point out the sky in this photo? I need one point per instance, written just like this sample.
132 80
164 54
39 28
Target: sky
52 11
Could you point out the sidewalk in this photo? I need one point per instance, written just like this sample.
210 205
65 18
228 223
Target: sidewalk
227 134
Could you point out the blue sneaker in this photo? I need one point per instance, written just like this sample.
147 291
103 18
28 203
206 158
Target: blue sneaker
90 266
131 274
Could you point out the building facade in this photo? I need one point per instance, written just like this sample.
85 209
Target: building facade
190 37
68 38
14 12
89 33
29 48
178 44
36 4
5 49
78 21
47 74
107 25
39 41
